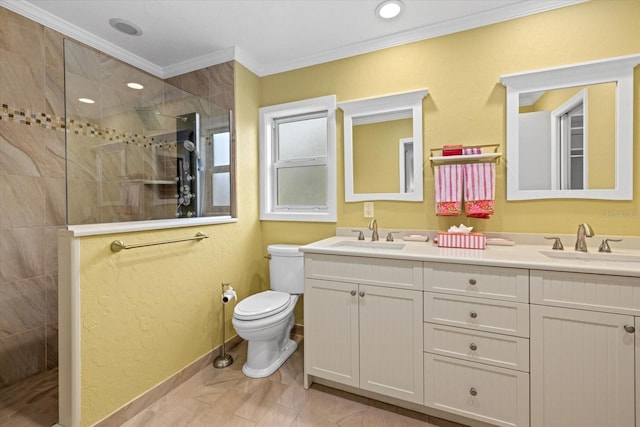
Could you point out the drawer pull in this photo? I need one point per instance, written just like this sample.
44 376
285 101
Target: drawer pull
362 294
353 293
473 346
473 314
473 391
629 329
472 282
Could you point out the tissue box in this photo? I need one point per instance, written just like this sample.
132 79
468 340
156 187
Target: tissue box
462 240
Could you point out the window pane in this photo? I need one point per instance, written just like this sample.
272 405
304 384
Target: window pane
302 186
221 148
302 139
221 189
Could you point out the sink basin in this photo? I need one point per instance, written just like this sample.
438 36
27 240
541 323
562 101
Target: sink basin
591 256
369 245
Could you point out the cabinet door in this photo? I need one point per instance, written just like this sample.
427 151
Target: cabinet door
582 368
331 331
391 349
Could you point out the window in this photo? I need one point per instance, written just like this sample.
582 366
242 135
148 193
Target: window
298 161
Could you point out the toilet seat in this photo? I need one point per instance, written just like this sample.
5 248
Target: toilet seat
261 305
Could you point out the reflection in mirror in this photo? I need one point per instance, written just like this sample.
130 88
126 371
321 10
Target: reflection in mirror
155 152
383 148
570 131
568 138
377 160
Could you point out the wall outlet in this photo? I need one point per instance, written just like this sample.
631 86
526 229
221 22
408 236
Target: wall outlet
368 209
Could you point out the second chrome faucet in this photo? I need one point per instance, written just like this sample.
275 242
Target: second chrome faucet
584 230
373 225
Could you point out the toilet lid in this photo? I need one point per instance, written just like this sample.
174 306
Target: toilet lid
261 305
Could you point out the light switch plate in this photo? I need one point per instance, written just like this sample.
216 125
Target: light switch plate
368 209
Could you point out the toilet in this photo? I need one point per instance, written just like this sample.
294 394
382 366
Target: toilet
265 319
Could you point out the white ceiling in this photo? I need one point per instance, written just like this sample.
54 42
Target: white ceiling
267 36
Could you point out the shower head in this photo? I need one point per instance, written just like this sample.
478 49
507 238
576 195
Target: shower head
150 117
189 146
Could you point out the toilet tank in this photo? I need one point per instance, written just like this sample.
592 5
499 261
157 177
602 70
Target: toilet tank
286 268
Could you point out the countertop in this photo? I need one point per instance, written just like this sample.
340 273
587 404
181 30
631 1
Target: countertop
518 256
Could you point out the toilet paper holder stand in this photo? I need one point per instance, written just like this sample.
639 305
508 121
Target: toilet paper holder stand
224 359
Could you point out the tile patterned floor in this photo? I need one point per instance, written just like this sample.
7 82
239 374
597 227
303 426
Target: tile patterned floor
225 397
30 403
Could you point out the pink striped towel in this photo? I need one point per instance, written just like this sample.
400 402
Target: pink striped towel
448 189
479 188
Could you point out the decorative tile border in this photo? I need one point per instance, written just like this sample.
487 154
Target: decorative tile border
27 117
48 121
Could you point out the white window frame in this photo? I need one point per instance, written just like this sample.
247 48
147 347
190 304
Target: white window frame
268 196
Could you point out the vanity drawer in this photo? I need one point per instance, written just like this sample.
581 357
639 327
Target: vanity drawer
493 349
510 318
391 273
493 395
511 284
597 292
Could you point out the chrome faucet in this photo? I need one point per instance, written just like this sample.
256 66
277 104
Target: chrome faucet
584 230
373 225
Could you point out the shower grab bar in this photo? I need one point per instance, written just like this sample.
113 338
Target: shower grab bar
118 245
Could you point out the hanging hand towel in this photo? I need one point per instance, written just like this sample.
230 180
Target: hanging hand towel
479 188
448 189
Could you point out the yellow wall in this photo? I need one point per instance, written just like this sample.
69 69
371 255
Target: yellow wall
150 312
466 105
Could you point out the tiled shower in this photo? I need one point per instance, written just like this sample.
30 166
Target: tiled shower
32 186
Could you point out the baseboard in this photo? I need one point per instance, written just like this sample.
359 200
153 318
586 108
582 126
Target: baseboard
141 402
297 330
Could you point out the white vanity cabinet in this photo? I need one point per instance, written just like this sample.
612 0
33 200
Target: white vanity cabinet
363 324
583 355
476 342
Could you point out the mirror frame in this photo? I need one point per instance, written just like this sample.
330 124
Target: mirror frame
395 107
618 70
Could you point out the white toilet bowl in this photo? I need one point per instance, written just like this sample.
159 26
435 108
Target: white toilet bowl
265 320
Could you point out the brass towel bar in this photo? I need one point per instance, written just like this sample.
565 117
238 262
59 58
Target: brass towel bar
118 245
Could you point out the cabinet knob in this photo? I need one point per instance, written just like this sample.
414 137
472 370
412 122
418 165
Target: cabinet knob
473 391
629 328
473 314
473 347
362 293
353 293
472 282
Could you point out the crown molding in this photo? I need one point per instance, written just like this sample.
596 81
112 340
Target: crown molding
36 14
482 19
517 10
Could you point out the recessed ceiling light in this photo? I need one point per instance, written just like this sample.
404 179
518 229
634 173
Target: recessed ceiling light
87 100
389 9
134 85
126 27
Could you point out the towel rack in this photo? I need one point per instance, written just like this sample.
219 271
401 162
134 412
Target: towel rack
118 245
467 158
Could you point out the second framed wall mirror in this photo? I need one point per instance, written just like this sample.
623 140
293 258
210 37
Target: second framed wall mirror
383 147
570 131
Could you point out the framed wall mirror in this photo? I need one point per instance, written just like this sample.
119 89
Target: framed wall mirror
570 131
383 148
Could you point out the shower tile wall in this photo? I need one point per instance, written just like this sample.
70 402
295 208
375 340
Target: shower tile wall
32 186
215 84
32 194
